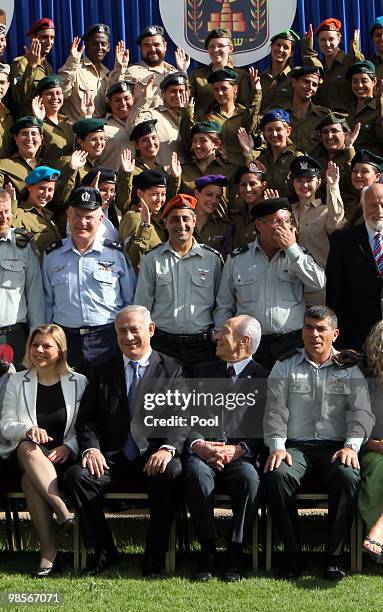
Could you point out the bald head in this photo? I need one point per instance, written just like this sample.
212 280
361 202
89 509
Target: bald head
372 205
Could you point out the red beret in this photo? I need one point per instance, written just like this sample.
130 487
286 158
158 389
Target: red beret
181 200
329 24
6 353
41 24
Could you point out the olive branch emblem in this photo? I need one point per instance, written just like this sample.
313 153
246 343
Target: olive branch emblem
258 15
194 13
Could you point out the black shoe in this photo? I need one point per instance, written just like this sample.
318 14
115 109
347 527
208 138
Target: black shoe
45 572
332 570
232 571
69 522
207 567
292 566
104 558
154 565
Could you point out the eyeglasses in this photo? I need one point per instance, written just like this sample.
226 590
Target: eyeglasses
101 139
277 222
216 47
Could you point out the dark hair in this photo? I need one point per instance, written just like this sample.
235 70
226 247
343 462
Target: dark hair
322 312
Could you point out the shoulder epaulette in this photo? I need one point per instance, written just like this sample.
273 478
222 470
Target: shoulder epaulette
347 358
23 238
154 248
54 246
209 248
239 250
287 354
113 244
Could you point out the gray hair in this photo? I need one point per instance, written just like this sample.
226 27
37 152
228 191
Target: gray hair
249 326
142 310
4 195
365 190
321 312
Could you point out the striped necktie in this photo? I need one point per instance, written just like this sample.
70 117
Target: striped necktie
378 252
130 449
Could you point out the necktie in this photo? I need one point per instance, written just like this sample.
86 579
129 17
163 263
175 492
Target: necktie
230 372
130 448
378 252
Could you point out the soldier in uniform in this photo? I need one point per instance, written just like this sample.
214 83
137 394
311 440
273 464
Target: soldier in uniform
86 282
366 169
5 116
119 122
376 33
105 180
275 82
21 289
251 181
266 279
142 230
178 283
153 50
88 75
209 228
28 69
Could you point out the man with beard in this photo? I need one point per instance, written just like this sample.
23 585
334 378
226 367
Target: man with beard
88 75
354 271
153 50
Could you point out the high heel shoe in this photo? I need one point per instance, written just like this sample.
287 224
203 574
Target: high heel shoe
69 522
45 572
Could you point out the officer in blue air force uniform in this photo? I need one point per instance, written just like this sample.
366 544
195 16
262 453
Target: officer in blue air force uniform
86 282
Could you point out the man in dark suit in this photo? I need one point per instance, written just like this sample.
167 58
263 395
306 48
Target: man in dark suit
227 456
115 446
354 281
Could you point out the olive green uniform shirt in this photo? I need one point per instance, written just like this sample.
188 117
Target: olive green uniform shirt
304 133
202 91
216 233
275 90
24 80
58 140
6 122
278 170
139 240
39 223
371 130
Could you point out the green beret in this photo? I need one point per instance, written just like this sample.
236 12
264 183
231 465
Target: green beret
332 119
218 33
365 67
286 35
207 127
226 74
85 126
26 122
54 80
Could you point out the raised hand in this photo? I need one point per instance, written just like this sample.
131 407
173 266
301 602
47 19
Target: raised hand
121 56
245 140
87 107
75 51
78 159
9 188
33 53
175 165
149 88
145 212
128 163
309 35
95 181
350 137
332 174
184 99
182 59
255 78
38 108
356 37
270 193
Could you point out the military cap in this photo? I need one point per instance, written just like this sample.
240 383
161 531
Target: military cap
305 166
366 157
377 24
26 122
332 119
210 179
106 176
97 28
143 128
153 30
53 80
251 168
5 68
277 114
208 127
86 198
41 24
226 74
286 35
42 173
120 87
181 200
85 126
269 207
174 78
365 67
328 25
218 33
150 178
300 71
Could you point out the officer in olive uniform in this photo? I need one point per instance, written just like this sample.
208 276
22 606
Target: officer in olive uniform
177 283
86 282
5 116
140 233
58 137
21 289
266 279
27 71
210 229
376 33
250 181
276 88
358 172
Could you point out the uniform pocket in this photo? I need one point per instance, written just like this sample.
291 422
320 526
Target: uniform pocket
12 273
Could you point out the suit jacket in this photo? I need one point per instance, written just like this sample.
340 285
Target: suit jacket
18 412
104 421
244 423
354 286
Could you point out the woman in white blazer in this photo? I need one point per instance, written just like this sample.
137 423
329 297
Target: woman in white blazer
37 421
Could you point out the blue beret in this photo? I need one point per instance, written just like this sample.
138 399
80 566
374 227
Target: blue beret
86 198
42 173
278 114
211 179
376 24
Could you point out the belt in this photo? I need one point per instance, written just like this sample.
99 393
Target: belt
184 338
12 328
276 336
84 331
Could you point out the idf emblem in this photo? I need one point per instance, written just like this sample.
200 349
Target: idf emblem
85 196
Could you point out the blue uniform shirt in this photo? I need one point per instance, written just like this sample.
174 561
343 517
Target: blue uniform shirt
86 289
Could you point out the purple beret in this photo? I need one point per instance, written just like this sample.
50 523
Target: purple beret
211 179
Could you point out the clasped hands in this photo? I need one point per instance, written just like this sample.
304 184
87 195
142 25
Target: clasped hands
217 454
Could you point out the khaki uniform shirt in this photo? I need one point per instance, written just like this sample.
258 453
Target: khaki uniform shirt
168 131
140 73
179 291
139 240
275 90
39 223
24 79
202 91
371 130
304 133
278 170
58 140
117 132
6 122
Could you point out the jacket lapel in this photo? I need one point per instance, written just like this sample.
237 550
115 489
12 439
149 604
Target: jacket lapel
29 393
365 247
70 391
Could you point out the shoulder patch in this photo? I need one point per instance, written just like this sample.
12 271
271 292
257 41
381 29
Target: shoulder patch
154 248
287 354
347 358
23 238
209 248
54 246
239 250
113 244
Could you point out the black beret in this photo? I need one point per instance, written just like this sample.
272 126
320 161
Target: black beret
217 33
153 30
97 28
365 67
332 119
85 126
149 178
26 122
174 78
143 128
226 74
366 157
120 87
305 166
301 71
86 198
106 176
269 207
53 80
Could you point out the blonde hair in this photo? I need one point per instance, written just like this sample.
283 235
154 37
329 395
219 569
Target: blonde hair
58 335
373 350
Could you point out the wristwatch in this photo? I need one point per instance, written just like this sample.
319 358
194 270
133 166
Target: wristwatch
143 224
245 449
352 446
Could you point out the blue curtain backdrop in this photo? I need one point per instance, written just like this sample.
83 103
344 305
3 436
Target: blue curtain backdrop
128 17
